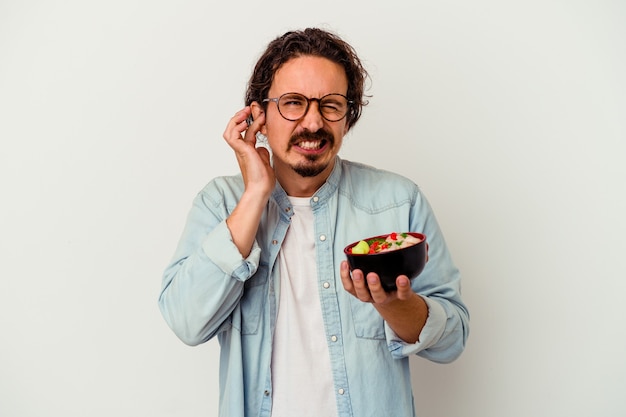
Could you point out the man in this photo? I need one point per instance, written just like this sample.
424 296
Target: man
260 262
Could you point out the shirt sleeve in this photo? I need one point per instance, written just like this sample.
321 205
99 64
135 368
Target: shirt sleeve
430 334
205 279
222 251
444 335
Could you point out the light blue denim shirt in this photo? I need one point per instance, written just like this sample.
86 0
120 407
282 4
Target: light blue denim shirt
209 289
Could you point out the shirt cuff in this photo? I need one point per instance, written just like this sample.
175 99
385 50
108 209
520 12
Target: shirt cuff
430 334
219 247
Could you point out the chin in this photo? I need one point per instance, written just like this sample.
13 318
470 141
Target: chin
309 170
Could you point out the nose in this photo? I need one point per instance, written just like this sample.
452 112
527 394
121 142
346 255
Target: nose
312 119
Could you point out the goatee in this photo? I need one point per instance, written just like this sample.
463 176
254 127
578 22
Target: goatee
309 170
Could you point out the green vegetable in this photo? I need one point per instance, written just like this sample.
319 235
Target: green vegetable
361 248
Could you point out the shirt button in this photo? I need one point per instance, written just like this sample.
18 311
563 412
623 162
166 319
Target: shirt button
326 285
341 391
316 199
266 393
333 338
322 237
274 242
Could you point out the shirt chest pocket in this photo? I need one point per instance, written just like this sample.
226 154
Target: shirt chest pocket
253 300
368 324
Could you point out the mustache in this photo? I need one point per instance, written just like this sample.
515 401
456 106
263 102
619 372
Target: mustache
308 135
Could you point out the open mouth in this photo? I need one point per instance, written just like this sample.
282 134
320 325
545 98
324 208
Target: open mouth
311 145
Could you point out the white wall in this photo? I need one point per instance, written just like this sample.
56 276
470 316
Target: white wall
511 116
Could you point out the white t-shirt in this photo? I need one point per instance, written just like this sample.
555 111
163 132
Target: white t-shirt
302 382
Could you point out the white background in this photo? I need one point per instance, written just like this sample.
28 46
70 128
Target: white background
511 115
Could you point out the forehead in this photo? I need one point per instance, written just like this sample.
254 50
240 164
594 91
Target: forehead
312 76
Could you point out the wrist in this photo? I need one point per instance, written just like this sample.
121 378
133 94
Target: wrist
257 193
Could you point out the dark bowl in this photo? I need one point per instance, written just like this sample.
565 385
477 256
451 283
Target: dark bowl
409 261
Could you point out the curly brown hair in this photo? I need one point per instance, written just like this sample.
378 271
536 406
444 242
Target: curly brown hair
315 42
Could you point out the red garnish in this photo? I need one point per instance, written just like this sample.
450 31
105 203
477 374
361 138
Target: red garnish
393 236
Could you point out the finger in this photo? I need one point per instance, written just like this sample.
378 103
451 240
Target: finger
346 280
404 288
242 115
377 292
254 127
236 126
257 122
361 289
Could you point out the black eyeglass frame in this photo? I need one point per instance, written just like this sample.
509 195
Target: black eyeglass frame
308 104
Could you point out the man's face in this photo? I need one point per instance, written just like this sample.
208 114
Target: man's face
309 145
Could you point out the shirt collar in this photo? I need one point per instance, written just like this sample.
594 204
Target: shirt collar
321 195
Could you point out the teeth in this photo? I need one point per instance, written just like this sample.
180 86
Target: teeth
310 145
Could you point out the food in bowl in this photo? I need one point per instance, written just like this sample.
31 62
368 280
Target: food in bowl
392 241
389 256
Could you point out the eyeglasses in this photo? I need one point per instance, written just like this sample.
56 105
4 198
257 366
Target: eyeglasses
293 106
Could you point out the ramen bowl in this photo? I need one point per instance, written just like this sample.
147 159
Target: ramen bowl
408 258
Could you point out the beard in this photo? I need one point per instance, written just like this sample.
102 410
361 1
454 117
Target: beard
311 167
309 170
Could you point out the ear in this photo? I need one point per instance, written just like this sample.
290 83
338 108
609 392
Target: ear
257 110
